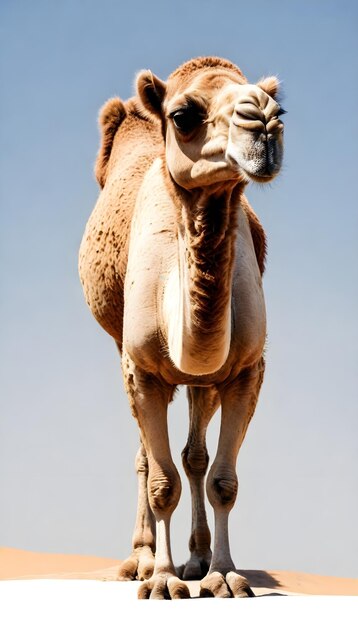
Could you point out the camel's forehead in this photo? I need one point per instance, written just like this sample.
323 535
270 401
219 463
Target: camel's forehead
216 90
232 91
206 82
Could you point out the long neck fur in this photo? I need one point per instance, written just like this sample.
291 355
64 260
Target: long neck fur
199 335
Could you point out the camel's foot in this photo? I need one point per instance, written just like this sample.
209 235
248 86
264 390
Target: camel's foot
163 587
230 586
139 566
196 568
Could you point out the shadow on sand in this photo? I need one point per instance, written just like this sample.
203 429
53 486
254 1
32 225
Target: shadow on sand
261 579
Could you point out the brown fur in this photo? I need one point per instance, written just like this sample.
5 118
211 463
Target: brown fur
111 116
212 237
201 63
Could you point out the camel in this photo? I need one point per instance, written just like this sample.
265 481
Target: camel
171 264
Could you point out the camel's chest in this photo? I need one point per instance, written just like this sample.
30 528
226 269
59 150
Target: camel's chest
153 262
145 336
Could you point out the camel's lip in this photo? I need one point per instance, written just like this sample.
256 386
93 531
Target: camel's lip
262 178
215 162
257 178
213 156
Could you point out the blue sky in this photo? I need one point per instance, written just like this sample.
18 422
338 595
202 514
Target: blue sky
67 439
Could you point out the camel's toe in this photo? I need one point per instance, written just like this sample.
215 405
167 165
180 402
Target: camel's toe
128 569
214 586
139 566
230 586
177 589
163 587
144 591
145 567
239 586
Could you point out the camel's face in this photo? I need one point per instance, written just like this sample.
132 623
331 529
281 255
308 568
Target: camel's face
218 129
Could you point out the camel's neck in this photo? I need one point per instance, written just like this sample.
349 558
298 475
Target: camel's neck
197 301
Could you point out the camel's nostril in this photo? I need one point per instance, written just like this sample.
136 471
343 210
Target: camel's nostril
246 124
250 111
246 115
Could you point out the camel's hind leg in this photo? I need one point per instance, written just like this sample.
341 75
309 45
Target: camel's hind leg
203 402
140 564
238 400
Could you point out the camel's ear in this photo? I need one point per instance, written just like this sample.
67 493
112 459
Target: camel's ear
110 118
270 85
151 91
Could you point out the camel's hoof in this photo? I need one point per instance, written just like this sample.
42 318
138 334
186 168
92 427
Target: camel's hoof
163 587
215 585
239 586
139 566
195 569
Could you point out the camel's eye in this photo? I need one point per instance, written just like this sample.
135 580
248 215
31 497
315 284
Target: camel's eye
187 119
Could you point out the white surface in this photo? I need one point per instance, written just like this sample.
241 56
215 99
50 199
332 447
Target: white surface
67 603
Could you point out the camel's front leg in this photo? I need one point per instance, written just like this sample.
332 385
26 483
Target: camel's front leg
203 402
140 564
149 399
238 401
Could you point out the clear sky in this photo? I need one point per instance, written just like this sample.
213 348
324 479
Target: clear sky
67 440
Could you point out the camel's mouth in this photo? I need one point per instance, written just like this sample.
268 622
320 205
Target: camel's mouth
221 167
260 161
210 170
261 178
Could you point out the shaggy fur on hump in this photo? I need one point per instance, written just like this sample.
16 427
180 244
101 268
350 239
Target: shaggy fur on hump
110 118
200 63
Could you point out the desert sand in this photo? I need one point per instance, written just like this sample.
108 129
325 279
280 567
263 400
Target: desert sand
23 565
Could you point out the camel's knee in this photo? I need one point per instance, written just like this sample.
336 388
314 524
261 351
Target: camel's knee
222 486
195 460
164 489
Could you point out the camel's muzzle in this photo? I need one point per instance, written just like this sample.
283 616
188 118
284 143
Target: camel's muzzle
256 139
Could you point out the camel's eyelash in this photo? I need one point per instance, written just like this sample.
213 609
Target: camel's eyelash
281 111
187 109
190 103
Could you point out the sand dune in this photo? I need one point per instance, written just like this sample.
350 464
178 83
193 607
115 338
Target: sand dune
21 564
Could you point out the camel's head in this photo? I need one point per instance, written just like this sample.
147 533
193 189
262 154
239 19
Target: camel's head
217 126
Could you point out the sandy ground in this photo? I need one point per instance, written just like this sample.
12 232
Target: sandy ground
58 589
23 565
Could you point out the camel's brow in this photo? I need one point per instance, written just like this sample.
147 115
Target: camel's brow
186 100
